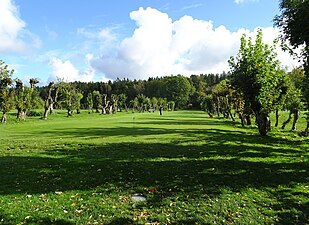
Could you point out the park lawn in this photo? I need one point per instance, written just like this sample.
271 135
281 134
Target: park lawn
191 169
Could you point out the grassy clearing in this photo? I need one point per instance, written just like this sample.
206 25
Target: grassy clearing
191 169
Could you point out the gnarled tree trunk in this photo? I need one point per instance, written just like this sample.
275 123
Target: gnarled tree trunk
248 120
263 122
277 118
4 117
296 114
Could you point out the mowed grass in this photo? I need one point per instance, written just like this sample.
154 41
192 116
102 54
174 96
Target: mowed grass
191 169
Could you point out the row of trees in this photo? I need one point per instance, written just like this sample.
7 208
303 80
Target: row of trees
22 98
255 86
106 98
241 92
258 84
293 21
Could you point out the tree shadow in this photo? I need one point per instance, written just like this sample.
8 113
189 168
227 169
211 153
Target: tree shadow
33 220
121 221
227 159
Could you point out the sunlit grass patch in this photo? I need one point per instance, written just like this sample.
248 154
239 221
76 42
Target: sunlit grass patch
190 169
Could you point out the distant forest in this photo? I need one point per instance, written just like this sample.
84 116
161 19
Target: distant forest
185 92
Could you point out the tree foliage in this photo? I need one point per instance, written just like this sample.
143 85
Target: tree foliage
256 73
293 21
6 95
179 89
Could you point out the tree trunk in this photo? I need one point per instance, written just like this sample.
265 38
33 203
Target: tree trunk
296 117
69 113
110 111
248 120
103 110
287 121
18 113
115 109
277 118
231 115
218 107
263 123
45 113
242 120
51 108
22 115
4 117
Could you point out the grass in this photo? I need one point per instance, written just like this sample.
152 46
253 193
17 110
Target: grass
191 169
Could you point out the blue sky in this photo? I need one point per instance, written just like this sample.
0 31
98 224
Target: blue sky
92 40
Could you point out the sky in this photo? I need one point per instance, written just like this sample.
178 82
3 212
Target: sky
100 40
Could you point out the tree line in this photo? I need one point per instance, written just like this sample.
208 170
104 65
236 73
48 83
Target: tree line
255 86
169 92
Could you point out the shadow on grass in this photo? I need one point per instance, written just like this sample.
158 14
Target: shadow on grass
36 221
230 159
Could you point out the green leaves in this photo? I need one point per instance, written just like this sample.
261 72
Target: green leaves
256 73
6 97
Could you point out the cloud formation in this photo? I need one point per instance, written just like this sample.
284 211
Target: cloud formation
186 46
13 34
66 71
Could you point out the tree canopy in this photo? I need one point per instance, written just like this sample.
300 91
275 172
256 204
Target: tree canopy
293 22
256 72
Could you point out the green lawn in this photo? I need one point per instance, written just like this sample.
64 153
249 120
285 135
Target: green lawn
191 169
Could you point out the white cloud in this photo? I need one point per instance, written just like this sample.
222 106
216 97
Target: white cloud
104 34
238 2
186 46
66 71
192 6
102 40
13 35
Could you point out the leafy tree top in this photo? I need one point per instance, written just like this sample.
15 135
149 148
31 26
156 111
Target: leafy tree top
294 21
257 73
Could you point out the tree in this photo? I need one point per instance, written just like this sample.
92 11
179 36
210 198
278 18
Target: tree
162 102
154 103
105 104
6 97
25 97
178 89
222 93
50 98
90 103
122 102
36 101
70 97
97 100
257 74
293 21
20 98
143 102
200 86
239 104
208 105
113 104
134 104
292 101
171 105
